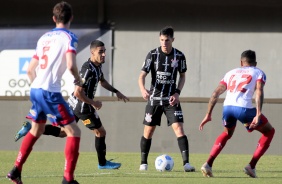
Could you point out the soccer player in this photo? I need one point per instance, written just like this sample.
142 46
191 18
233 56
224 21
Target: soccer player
241 84
55 52
85 108
164 63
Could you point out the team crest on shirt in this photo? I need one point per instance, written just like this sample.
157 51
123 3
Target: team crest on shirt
148 117
174 63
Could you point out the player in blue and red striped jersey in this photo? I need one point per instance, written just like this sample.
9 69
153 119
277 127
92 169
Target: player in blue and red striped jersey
55 52
241 84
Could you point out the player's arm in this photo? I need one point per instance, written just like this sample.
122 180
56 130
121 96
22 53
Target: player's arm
174 99
79 93
105 84
141 82
215 96
259 102
181 81
72 67
221 88
31 70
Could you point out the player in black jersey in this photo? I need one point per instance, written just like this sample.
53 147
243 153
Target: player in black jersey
164 63
83 104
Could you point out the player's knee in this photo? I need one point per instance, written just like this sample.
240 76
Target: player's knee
271 132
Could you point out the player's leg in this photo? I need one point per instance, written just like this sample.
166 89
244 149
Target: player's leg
62 115
71 151
152 118
100 145
267 131
216 149
229 123
25 150
145 145
55 131
92 121
37 129
175 120
26 126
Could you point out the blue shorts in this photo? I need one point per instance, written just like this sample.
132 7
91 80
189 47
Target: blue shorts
245 115
49 105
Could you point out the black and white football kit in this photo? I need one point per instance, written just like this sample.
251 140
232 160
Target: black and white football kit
91 74
164 69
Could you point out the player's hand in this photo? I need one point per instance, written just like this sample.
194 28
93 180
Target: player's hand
174 99
145 94
205 120
255 122
97 105
122 97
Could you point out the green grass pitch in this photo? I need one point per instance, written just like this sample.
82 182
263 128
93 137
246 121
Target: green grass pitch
47 168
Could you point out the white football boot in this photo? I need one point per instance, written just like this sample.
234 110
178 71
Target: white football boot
188 168
249 171
143 167
206 170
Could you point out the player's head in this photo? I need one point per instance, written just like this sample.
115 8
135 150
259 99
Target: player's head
166 39
167 31
62 13
248 57
98 52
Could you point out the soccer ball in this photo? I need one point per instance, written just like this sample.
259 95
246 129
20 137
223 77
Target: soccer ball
164 163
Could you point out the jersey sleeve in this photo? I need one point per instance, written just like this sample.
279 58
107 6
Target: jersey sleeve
182 67
85 74
223 81
73 43
262 77
147 63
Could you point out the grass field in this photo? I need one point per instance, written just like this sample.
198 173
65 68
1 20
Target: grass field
47 168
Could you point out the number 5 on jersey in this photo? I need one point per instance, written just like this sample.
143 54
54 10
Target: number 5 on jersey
45 58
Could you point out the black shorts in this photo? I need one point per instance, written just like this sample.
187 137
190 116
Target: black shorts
91 120
153 114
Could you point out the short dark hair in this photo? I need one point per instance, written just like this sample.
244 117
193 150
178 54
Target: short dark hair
96 43
62 12
250 55
167 31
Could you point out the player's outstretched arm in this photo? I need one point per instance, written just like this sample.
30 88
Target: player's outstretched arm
212 102
206 119
122 97
104 83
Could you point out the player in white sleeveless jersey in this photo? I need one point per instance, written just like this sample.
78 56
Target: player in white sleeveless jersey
241 84
55 53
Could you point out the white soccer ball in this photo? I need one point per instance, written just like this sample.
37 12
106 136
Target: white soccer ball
164 163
